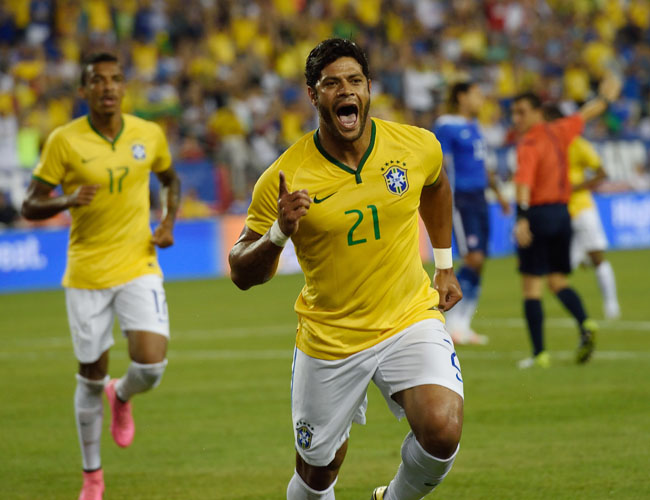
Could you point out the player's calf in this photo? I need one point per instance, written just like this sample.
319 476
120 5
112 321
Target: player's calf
419 473
140 378
298 489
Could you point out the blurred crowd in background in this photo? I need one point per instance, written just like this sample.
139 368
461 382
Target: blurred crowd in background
225 78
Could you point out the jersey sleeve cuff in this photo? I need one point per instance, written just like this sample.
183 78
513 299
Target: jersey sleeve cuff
44 181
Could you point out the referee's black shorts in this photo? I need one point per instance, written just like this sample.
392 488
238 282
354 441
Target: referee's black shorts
550 251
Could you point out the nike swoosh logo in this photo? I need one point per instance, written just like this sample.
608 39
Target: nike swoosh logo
316 200
86 160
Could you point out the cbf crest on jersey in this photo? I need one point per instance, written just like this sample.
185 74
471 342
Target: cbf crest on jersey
395 176
304 434
139 153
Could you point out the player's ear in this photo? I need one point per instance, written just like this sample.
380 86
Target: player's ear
82 91
369 84
313 97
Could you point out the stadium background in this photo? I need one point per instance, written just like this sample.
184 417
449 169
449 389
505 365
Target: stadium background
225 81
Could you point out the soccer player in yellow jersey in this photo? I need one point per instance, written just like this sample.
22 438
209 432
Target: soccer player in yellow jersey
348 195
588 240
102 163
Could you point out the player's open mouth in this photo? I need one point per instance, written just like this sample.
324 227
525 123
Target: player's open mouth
348 115
108 101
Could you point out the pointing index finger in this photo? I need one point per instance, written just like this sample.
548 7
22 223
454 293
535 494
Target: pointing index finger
282 190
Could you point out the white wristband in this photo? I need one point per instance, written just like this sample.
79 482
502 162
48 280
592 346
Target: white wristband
442 258
276 235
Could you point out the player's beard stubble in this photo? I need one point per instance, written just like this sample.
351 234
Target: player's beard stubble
329 121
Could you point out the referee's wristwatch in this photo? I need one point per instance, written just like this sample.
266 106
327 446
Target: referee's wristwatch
522 210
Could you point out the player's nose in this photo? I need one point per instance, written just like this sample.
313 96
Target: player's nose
345 88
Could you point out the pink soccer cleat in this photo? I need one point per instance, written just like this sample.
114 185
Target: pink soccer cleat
122 425
93 488
468 337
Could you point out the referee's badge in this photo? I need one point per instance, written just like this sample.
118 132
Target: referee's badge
396 180
139 153
304 434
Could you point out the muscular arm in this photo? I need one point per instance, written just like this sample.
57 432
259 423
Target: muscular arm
592 183
436 210
523 234
494 186
254 258
608 91
39 205
170 198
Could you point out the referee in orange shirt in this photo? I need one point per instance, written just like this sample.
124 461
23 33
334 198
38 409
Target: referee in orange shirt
543 228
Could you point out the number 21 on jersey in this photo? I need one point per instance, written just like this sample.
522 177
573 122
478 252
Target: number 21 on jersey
359 220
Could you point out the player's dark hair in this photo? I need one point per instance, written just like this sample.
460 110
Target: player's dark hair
552 112
457 89
534 100
327 52
95 58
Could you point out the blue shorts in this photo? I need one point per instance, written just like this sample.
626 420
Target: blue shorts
471 222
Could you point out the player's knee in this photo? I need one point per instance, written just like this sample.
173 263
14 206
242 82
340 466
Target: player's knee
88 388
597 258
474 260
320 478
557 282
150 374
440 433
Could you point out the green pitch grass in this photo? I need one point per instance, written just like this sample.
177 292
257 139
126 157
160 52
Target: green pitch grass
219 426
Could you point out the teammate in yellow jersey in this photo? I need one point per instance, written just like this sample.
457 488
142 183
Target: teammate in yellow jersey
348 195
588 242
102 163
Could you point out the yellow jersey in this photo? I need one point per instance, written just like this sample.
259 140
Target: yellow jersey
358 243
582 157
110 239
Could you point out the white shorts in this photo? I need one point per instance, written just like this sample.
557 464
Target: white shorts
328 395
588 236
139 304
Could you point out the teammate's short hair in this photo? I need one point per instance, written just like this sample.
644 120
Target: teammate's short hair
95 58
457 89
534 100
327 52
552 112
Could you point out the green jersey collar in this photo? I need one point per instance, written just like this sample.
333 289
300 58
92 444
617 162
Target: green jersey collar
343 166
112 143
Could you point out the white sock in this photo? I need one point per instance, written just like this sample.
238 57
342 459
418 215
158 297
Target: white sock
607 284
419 473
89 412
139 378
469 309
454 318
299 490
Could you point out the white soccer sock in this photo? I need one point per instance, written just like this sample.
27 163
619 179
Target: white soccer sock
607 284
419 473
299 490
89 412
139 378
454 318
468 311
